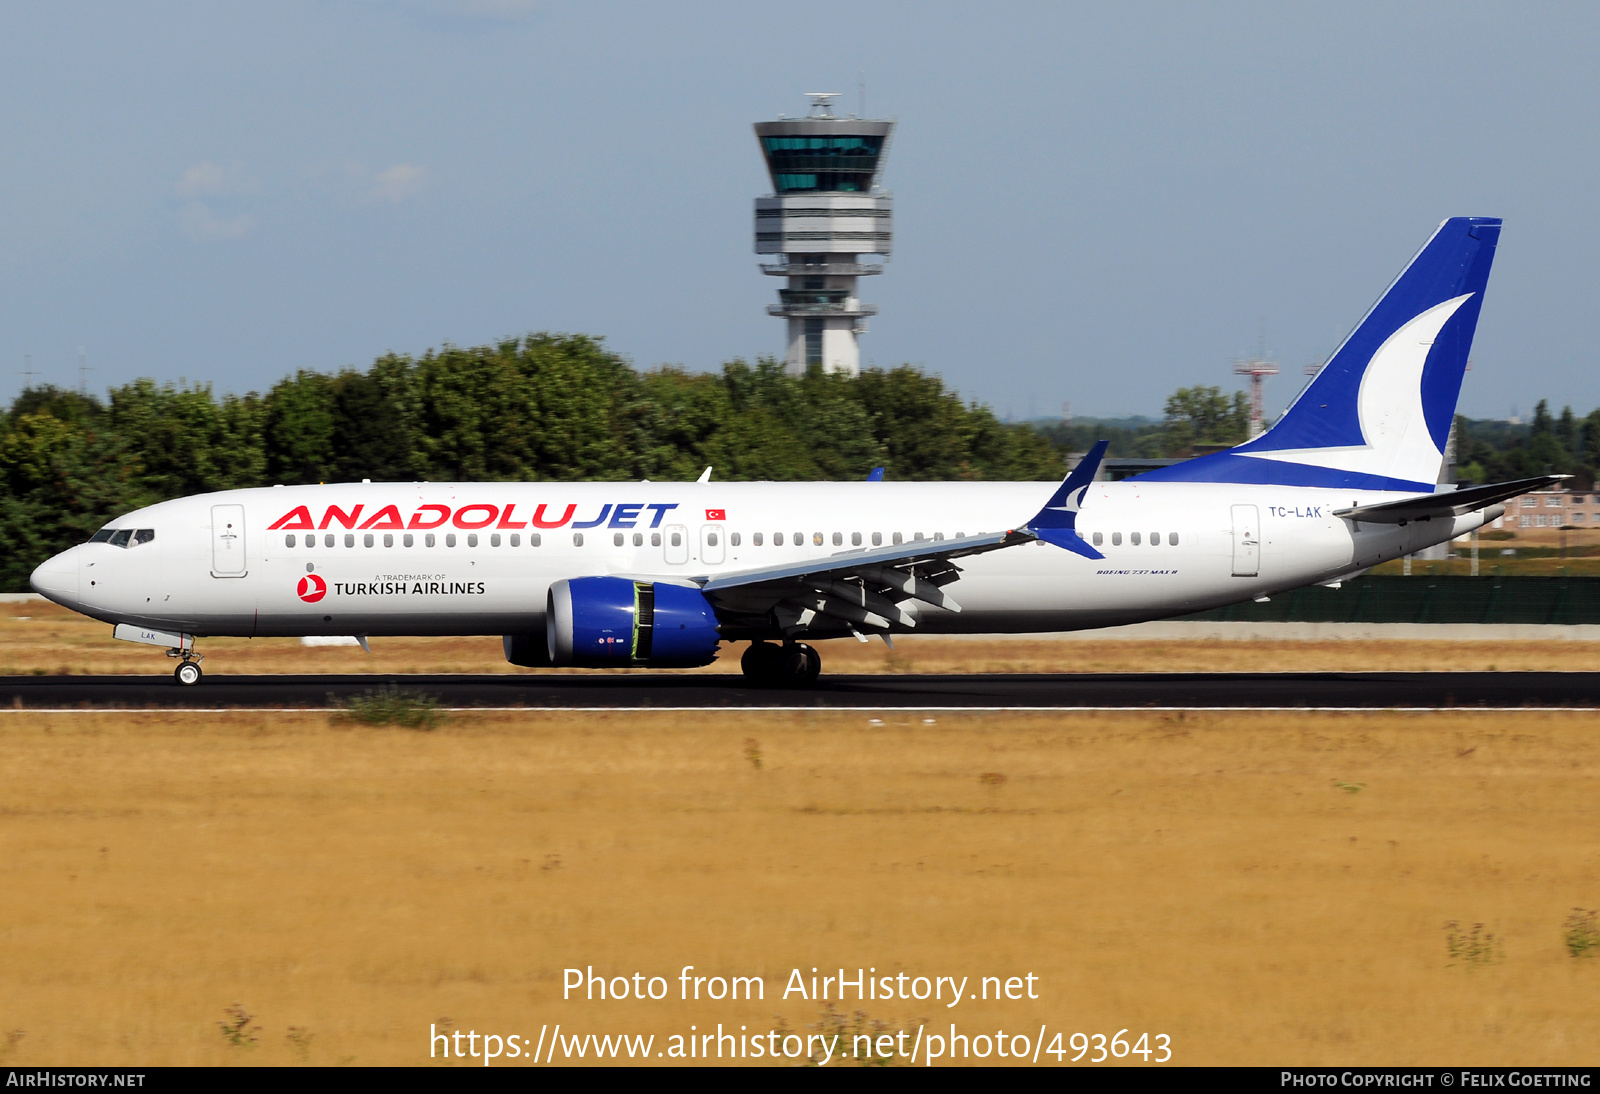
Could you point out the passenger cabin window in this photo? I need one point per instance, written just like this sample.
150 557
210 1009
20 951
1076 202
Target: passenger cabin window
733 539
655 539
450 540
516 539
388 540
1172 539
535 539
429 539
1116 539
1155 539
877 539
756 539
677 539
577 539
349 541
897 539
855 539
838 539
711 539
638 539
367 540
494 539
777 539
409 540
1099 538
616 539
1133 538
472 539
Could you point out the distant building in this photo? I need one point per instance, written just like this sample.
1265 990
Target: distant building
1551 509
824 214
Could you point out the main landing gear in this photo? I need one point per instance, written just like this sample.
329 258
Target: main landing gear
188 671
793 664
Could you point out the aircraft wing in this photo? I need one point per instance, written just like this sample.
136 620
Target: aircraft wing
877 588
1451 503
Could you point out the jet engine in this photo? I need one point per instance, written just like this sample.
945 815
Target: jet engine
613 621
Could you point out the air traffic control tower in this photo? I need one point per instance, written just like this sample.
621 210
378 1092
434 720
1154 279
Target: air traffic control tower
824 216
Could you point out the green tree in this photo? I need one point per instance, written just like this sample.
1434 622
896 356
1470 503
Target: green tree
1203 415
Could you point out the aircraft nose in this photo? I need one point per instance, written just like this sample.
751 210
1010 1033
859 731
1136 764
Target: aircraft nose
57 578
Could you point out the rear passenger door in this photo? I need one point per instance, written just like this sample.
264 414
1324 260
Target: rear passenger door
1246 541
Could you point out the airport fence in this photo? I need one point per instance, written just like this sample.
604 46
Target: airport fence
1383 599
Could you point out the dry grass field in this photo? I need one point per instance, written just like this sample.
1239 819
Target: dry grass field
1264 888
44 639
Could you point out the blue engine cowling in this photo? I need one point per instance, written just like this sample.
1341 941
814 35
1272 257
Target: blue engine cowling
601 621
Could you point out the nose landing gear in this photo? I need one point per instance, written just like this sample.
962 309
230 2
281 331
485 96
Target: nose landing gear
794 665
188 671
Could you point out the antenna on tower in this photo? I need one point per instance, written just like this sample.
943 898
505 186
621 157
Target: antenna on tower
1258 368
822 103
27 371
861 87
83 371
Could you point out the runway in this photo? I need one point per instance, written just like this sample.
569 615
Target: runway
656 691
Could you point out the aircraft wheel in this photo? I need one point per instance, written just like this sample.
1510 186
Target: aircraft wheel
762 664
801 665
187 674
813 663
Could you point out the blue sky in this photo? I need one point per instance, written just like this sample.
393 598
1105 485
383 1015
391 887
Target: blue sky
1095 203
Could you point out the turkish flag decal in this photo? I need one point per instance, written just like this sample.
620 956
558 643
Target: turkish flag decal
716 514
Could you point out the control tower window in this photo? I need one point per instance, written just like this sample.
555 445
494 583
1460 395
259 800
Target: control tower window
839 163
813 342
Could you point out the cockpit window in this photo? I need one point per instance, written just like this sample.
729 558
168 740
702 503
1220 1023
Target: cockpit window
120 538
144 535
102 535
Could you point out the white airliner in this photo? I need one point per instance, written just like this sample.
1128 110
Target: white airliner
660 574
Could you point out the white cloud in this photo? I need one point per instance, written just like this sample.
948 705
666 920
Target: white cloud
399 182
199 223
215 178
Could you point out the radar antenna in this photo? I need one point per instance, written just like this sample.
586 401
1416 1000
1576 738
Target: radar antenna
822 103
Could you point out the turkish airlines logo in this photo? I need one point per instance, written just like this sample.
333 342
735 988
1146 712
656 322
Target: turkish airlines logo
311 589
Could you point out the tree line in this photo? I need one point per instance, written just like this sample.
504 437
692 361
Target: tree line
546 406
560 407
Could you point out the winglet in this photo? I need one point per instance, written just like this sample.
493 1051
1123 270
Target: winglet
1057 522
875 475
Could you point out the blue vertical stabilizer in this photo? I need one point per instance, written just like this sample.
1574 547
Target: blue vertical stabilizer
1377 416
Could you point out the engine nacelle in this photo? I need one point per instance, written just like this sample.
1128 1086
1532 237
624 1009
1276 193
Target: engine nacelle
612 621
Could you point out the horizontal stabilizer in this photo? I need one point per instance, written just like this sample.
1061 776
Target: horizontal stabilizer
1451 503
